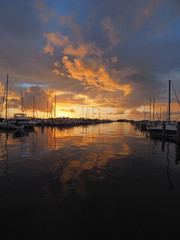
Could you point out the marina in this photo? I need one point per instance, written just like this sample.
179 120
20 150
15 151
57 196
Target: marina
161 130
89 119
164 130
21 120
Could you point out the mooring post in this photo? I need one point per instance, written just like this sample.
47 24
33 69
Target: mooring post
178 133
163 130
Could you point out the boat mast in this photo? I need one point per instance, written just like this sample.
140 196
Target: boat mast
7 97
22 103
153 108
55 108
169 102
47 107
33 105
150 109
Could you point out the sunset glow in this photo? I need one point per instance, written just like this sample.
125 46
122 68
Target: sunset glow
90 119
62 115
90 60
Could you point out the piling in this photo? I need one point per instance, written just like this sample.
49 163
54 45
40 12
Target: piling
178 133
163 130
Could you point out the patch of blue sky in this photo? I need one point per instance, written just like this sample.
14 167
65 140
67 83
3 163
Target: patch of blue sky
66 7
79 9
27 85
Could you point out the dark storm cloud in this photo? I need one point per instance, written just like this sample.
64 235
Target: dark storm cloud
21 41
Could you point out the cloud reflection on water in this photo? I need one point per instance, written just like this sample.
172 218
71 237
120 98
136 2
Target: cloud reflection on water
79 155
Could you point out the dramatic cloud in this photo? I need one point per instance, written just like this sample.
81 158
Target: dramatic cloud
108 54
97 77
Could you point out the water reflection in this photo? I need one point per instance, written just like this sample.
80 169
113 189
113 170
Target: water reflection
55 181
168 168
4 151
75 156
177 154
172 152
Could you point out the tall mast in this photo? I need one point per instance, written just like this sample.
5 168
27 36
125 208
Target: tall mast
22 103
82 111
153 108
33 105
55 108
144 113
150 109
51 109
169 102
7 97
86 112
47 107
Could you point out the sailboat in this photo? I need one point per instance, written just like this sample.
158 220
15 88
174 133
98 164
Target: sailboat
170 128
21 119
4 123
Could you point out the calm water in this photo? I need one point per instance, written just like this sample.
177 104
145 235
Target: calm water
93 182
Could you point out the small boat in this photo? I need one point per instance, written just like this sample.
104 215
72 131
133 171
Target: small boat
10 126
21 119
170 129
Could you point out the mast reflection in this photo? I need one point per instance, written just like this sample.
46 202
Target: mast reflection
177 154
168 168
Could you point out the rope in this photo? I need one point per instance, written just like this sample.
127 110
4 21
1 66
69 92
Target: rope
175 94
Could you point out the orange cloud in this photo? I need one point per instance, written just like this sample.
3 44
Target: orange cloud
69 99
54 40
56 71
99 78
68 110
49 49
83 49
1 89
69 47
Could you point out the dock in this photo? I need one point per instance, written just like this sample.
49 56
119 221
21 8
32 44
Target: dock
161 130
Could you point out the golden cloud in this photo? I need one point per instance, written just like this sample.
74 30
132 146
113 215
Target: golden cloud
83 49
54 40
99 78
56 71
69 47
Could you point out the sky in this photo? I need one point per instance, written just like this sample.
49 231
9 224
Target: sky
101 58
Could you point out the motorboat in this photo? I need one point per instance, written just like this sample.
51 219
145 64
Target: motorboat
20 119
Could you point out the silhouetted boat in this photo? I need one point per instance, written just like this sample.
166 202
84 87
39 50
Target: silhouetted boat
20 119
10 126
